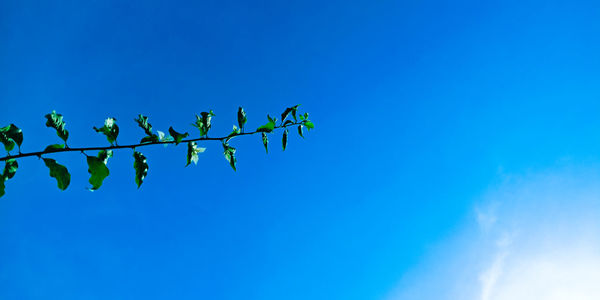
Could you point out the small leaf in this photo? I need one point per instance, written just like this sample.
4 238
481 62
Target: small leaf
284 139
177 136
192 153
60 172
300 131
285 113
97 168
11 132
10 168
287 122
266 128
55 121
161 135
110 130
203 123
142 121
265 141
140 166
229 153
309 124
9 143
54 148
2 186
294 111
241 116
149 139
272 120
235 132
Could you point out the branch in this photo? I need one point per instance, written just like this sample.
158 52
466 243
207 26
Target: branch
133 146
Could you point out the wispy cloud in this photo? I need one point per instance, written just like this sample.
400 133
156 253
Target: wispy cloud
533 237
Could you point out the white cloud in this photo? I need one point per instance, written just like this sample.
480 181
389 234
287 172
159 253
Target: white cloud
533 237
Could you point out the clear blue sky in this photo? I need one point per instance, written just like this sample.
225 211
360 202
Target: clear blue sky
419 106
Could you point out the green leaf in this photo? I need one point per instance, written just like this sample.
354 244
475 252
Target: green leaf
177 136
54 147
203 122
284 139
149 139
309 124
229 153
285 113
2 186
288 122
10 168
265 141
294 111
60 172
300 131
110 130
9 143
142 121
11 132
141 167
55 121
241 116
192 153
97 168
235 132
267 127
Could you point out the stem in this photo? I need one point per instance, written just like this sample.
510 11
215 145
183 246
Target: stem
133 146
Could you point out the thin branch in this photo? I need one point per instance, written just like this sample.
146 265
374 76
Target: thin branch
132 146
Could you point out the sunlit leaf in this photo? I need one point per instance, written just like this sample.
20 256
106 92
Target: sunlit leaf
110 130
229 153
140 166
55 121
58 171
203 123
192 153
142 121
309 125
97 168
10 168
300 131
265 141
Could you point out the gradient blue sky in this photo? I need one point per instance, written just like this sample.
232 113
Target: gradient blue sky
421 108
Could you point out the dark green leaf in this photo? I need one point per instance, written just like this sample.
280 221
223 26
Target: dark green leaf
192 153
229 153
177 136
141 167
11 132
54 148
110 130
10 168
300 131
149 139
309 124
60 172
55 121
97 168
265 141
284 139
288 122
9 143
142 121
2 186
285 113
266 128
241 116
294 111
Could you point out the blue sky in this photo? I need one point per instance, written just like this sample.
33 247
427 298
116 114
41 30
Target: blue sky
427 113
